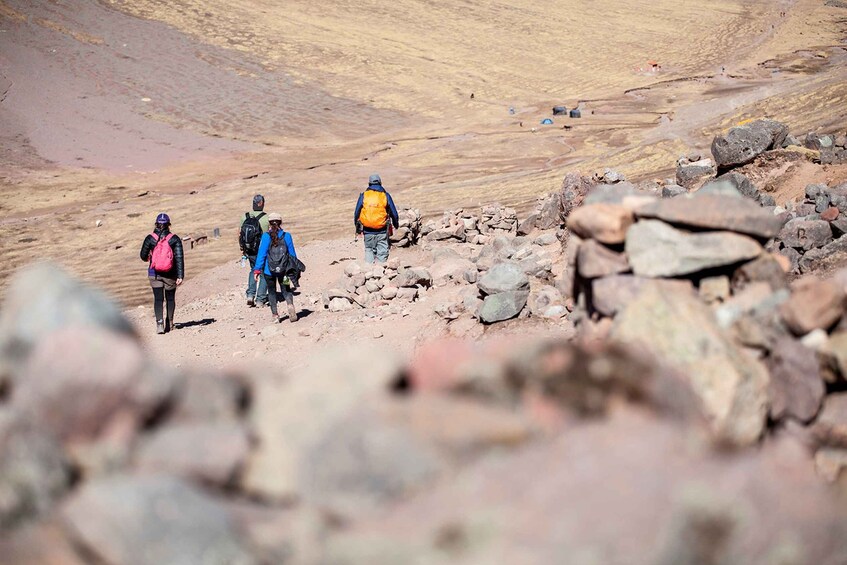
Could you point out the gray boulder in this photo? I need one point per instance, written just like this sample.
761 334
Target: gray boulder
574 189
610 193
289 416
678 327
715 212
744 143
673 190
413 276
796 388
502 306
805 234
731 184
690 175
655 249
596 260
62 301
503 277
550 215
151 520
207 452
33 471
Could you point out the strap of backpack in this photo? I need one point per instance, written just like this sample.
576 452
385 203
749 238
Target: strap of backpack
259 217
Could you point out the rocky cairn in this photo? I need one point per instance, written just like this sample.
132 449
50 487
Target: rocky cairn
409 228
376 285
477 228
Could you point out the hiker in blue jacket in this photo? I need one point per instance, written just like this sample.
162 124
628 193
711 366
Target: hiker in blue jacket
374 215
276 261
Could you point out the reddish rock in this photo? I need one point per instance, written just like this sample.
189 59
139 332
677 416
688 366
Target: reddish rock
82 385
596 260
830 428
830 214
796 389
764 268
437 365
607 223
41 544
814 304
631 489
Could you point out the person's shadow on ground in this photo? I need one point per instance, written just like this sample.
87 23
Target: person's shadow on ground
304 313
192 323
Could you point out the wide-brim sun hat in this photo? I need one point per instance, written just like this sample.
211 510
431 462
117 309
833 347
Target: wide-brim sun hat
274 217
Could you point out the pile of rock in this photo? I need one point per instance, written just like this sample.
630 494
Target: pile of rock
691 171
409 228
508 277
690 280
553 209
376 285
476 228
108 457
832 148
814 228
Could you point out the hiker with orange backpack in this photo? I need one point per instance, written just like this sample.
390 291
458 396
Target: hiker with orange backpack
375 214
163 252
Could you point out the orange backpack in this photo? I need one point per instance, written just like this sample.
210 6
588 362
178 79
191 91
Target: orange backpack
373 214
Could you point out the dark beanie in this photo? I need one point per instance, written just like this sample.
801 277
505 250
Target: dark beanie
258 202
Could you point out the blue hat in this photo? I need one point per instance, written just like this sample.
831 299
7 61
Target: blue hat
163 219
374 179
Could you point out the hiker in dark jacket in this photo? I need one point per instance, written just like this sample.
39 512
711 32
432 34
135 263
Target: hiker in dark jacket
250 249
374 213
165 270
277 244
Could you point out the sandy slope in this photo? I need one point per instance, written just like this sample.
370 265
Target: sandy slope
192 107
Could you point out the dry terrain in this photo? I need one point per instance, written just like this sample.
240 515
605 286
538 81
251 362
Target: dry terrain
114 110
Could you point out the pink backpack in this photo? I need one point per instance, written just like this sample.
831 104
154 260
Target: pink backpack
162 258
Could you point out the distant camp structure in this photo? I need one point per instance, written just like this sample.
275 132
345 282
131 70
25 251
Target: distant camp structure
560 111
546 122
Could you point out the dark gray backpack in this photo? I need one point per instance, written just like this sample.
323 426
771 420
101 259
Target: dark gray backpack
278 257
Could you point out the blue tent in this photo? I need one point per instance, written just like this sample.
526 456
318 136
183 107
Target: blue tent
546 122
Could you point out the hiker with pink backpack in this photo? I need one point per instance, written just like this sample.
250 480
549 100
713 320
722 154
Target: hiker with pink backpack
163 252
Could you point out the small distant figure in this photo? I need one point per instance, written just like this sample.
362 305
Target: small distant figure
472 96
374 215
253 225
723 70
166 269
520 124
277 262
511 110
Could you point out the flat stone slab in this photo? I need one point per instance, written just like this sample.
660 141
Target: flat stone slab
655 249
715 212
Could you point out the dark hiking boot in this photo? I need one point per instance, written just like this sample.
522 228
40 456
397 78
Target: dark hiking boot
292 313
160 327
251 302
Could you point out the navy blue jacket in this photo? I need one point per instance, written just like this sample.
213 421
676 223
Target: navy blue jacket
391 209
